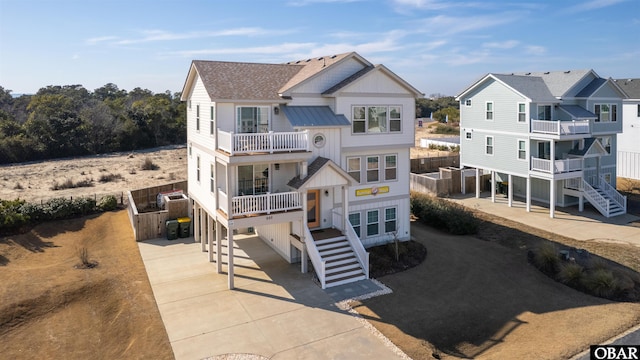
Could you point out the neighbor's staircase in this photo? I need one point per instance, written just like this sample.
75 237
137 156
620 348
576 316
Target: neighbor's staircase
604 197
336 258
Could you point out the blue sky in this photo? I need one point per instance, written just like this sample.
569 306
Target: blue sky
438 46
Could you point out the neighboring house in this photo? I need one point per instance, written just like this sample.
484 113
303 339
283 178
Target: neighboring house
629 138
283 150
549 137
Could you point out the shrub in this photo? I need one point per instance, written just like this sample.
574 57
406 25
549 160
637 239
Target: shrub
443 214
148 164
108 203
10 215
571 274
109 177
69 184
546 259
446 129
602 283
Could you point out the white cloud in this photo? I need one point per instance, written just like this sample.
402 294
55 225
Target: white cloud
594 4
509 44
450 25
162 35
535 50
101 39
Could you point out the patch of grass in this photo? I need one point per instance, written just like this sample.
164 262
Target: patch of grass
446 129
109 177
546 258
70 184
148 164
571 274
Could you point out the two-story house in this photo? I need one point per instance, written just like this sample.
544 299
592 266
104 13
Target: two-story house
628 145
311 155
547 136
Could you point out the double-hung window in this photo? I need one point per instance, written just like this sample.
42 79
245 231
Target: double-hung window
373 168
390 215
522 112
198 168
522 150
489 145
395 119
198 117
606 112
212 121
212 185
353 168
489 110
390 167
373 223
354 219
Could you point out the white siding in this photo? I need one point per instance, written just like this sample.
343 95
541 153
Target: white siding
402 220
628 146
277 236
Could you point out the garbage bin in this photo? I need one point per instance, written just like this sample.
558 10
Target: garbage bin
185 226
172 229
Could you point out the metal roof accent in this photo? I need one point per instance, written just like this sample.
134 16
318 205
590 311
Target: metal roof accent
578 112
313 116
591 88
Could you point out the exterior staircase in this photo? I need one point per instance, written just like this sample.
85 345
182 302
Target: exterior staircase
604 197
334 258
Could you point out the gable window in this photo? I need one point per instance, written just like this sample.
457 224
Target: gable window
212 185
198 168
467 102
212 121
488 145
390 167
390 219
354 219
198 117
372 223
606 143
489 110
606 112
522 112
522 150
467 135
373 168
376 119
353 168
252 119
544 112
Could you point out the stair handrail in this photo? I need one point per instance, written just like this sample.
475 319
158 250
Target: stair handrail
318 264
600 202
361 253
354 240
620 199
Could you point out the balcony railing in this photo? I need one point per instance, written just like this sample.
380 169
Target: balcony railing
556 127
265 203
559 166
270 142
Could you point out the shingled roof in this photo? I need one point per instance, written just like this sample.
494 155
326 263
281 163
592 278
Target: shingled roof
630 86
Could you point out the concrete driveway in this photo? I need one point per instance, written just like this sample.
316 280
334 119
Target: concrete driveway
275 311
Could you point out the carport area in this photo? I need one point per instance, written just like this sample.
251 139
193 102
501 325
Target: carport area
275 311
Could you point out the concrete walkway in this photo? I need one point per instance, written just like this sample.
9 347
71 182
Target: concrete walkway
275 311
588 225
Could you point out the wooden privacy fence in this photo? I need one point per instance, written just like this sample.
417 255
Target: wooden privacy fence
149 223
432 164
447 181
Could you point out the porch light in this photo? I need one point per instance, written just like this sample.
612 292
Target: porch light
326 193
276 110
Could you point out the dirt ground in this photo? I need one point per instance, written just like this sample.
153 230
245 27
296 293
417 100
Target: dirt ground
33 181
51 310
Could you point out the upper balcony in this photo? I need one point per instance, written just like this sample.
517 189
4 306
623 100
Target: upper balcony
267 142
556 166
560 128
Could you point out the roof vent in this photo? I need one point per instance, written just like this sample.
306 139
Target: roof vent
320 58
308 60
527 73
568 71
546 72
298 62
334 56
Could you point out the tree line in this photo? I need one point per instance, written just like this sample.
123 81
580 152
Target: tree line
69 120
440 106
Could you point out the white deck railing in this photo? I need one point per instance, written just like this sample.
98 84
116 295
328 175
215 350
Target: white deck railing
598 201
270 142
265 203
613 193
559 166
556 127
361 253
